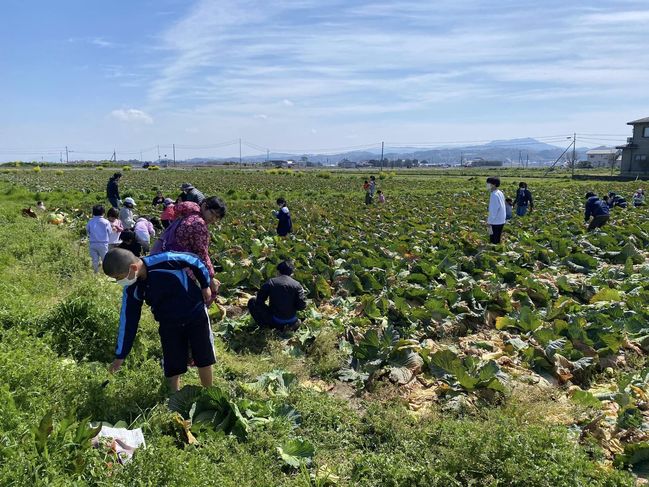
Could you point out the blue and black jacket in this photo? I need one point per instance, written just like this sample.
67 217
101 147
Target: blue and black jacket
595 207
524 197
285 225
174 298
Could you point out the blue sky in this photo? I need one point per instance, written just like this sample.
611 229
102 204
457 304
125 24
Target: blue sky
305 75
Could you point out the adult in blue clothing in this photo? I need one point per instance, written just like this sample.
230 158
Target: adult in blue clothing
112 190
286 298
597 209
616 200
523 200
177 304
283 215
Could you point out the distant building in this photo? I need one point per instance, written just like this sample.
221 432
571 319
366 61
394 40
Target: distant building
279 164
635 154
347 164
602 157
480 162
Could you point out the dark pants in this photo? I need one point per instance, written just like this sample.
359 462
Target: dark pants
113 202
178 339
263 316
368 198
496 233
598 222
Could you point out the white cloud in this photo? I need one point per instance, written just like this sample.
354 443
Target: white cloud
96 41
620 18
131 115
101 42
261 116
287 103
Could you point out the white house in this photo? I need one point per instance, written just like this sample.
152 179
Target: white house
602 157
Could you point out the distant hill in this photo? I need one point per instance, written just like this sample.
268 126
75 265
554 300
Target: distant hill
502 150
528 144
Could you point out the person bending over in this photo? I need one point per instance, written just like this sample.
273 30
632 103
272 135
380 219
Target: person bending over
177 304
598 209
286 298
130 243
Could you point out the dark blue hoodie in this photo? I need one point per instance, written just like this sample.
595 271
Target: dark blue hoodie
173 297
595 207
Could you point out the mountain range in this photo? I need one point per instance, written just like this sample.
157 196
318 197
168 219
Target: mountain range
507 151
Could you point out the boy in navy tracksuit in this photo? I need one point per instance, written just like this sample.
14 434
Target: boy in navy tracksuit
598 209
176 302
523 200
284 225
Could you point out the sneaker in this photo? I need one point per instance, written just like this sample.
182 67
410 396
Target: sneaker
294 326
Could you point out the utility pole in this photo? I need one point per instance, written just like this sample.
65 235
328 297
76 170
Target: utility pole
140 156
67 160
267 155
158 154
527 160
239 151
382 145
174 149
574 150
461 158
61 157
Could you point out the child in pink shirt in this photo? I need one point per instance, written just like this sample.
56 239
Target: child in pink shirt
168 213
143 232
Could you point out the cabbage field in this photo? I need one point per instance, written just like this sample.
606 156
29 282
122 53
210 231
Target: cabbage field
425 357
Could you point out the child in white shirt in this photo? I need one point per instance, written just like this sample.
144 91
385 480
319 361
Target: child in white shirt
99 230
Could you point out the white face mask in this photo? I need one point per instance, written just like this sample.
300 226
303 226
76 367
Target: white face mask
488 186
126 282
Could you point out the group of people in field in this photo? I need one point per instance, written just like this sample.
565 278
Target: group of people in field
598 210
174 275
164 261
501 209
369 188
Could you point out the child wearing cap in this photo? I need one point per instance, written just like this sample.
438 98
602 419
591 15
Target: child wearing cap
638 198
190 193
126 214
177 304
